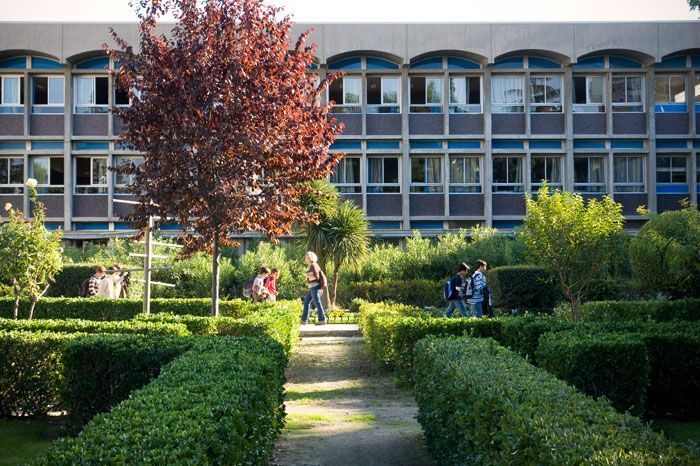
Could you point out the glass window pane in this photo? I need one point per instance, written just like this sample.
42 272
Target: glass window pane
579 89
82 171
335 91
515 173
458 90
41 90
390 90
10 91
99 171
56 90
40 169
457 170
537 173
580 170
596 170
554 170
4 171
86 91
661 89
553 89
472 174
618 89
507 90
374 90
474 90
418 91
121 97
418 170
433 93
596 90
375 166
697 87
634 89
17 170
663 177
56 171
620 170
537 94
635 170
434 170
391 170
101 91
677 89
500 170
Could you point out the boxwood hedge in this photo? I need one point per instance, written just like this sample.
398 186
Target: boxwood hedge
640 311
480 403
416 292
91 326
520 288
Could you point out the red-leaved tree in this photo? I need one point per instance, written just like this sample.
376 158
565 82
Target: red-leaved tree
230 122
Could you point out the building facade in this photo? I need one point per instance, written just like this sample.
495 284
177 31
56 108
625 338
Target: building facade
446 125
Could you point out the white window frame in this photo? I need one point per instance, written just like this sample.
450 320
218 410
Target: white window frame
89 108
47 188
464 187
121 188
100 189
627 102
49 108
426 107
498 107
15 108
590 107
345 107
641 186
588 184
424 187
378 188
455 107
395 108
671 169
668 77
537 183
349 188
534 106
495 185
6 186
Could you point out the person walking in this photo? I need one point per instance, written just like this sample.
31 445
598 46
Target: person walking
260 293
478 286
119 279
457 293
315 282
93 288
271 285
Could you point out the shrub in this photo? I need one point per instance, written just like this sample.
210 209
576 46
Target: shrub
480 403
522 334
416 292
90 326
291 283
219 403
640 311
192 277
523 288
67 281
602 364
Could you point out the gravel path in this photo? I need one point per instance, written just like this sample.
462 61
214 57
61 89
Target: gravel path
340 412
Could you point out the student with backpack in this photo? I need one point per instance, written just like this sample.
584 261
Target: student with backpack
90 287
315 282
478 288
454 292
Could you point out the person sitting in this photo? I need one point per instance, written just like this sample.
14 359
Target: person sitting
260 293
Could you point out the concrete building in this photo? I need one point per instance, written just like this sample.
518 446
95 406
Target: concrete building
446 125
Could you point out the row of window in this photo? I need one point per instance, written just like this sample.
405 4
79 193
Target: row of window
464 173
507 93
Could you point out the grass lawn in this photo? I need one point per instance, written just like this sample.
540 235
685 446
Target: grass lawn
21 440
678 431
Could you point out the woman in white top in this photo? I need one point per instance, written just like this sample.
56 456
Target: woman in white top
110 286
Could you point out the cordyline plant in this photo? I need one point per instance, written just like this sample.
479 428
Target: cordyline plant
228 117
30 255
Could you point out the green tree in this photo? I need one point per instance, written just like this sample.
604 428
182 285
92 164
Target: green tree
571 238
694 5
30 255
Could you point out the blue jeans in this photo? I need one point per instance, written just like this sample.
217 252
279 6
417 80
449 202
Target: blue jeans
313 295
478 309
454 304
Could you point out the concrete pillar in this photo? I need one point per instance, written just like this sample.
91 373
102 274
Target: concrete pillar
405 167
486 172
651 128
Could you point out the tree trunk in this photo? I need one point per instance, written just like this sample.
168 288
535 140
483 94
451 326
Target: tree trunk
31 307
35 299
15 307
215 277
336 276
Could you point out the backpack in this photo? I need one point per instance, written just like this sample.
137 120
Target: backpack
447 291
322 279
85 288
248 289
469 288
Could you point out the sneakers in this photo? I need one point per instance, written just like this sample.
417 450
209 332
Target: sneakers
304 322
321 322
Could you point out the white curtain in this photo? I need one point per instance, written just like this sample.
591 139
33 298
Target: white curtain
595 171
56 90
433 171
10 91
554 166
458 91
635 170
375 170
86 91
634 89
507 90
352 90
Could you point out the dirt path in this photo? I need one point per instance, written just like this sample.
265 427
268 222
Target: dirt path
341 412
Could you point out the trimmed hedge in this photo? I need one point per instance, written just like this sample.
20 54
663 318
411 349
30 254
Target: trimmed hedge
640 311
67 281
604 364
91 326
522 334
480 403
519 288
219 403
417 292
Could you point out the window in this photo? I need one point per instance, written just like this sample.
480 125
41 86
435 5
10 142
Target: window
627 94
48 94
589 174
546 168
628 173
545 94
345 92
669 93
507 94
426 95
121 98
508 174
91 175
465 94
11 94
465 174
697 168
671 169
426 174
346 176
697 92
11 175
383 175
91 94
589 94
122 180
48 172
383 94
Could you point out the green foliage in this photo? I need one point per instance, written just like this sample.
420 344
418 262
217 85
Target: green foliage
67 282
521 288
522 334
641 311
291 283
192 277
219 403
480 403
600 364
571 238
91 326
413 292
665 254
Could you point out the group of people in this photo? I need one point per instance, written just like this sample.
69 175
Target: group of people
265 285
107 284
474 290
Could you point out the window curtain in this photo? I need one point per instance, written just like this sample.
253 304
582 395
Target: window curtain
635 170
507 90
458 91
55 90
554 172
457 174
515 170
11 91
352 90
86 91
595 172
375 171
634 89
433 172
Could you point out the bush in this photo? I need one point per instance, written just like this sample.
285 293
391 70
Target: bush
192 277
416 292
90 326
641 311
480 403
665 254
219 403
291 283
603 364
67 281
523 288
522 334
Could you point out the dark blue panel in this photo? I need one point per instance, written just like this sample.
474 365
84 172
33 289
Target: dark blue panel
514 62
455 63
672 62
53 226
671 144
39 145
10 145
592 62
353 63
589 144
539 144
313 66
672 188
383 144
374 63
91 226
695 61
425 144
464 144
171 227
342 145
627 144
696 144
91 145
537 62
123 226
508 144
385 225
17 63
100 63
620 62
426 225
45 63
670 108
434 63
507 224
